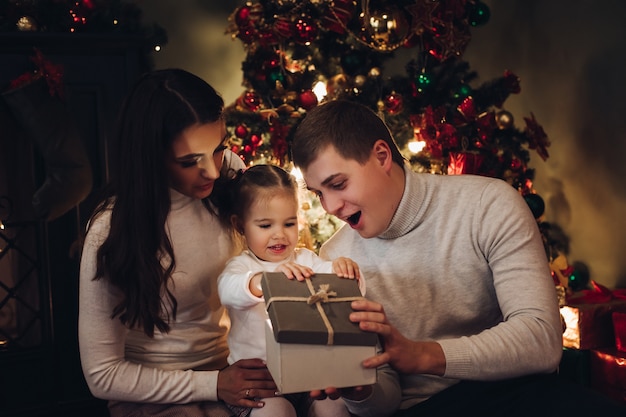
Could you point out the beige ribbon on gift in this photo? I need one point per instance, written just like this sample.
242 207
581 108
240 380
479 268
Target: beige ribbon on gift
323 295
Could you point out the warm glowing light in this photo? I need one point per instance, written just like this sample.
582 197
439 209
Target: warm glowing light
297 174
319 89
416 146
115 21
571 335
157 48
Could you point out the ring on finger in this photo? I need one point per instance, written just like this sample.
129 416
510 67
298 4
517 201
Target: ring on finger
248 393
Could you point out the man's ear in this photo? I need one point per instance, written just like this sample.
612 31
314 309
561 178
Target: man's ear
234 221
382 153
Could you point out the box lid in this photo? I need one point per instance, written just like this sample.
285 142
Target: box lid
296 321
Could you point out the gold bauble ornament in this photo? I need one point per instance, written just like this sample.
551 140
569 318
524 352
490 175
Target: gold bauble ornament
359 80
504 120
384 29
337 85
374 72
26 24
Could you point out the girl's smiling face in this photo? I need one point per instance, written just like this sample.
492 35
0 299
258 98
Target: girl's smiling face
195 159
271 226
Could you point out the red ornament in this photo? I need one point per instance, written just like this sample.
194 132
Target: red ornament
248 15
241 131
250 100
394 103
256 141
307 99
305 31
242 16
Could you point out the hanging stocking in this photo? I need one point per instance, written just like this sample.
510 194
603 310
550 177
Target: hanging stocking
48 122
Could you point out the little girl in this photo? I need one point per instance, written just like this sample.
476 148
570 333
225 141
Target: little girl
264 207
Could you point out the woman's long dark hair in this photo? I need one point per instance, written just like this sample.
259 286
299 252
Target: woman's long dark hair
137 256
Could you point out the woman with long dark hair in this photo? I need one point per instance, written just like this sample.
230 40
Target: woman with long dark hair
152 331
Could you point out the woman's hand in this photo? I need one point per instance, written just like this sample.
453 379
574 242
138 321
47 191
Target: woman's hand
404 355
244 381
346 268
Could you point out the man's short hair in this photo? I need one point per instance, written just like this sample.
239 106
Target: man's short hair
350 127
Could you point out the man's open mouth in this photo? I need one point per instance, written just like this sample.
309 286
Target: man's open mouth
354 219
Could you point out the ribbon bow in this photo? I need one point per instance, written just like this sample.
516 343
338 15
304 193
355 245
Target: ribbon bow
322 295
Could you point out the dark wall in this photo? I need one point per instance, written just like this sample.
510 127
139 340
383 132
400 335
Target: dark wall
571 58
39 262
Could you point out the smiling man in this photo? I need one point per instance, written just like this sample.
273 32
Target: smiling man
459 288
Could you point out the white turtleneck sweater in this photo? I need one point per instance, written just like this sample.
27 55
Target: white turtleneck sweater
461 263
180 366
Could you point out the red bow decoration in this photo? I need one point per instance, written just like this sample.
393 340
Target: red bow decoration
278 140
51 72
438 135
597 294
537 138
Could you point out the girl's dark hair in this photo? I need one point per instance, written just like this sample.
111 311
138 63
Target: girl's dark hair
258 181
350 127
137 256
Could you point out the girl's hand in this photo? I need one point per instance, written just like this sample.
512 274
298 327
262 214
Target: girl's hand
294 270
346 268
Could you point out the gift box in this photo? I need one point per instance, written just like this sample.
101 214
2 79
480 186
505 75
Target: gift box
619 328
311 343
590 325
608 372
464 163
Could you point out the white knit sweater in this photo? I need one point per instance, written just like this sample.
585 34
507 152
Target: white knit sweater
462 263
126 365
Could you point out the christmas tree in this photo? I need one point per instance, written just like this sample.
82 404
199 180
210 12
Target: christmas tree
300 53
